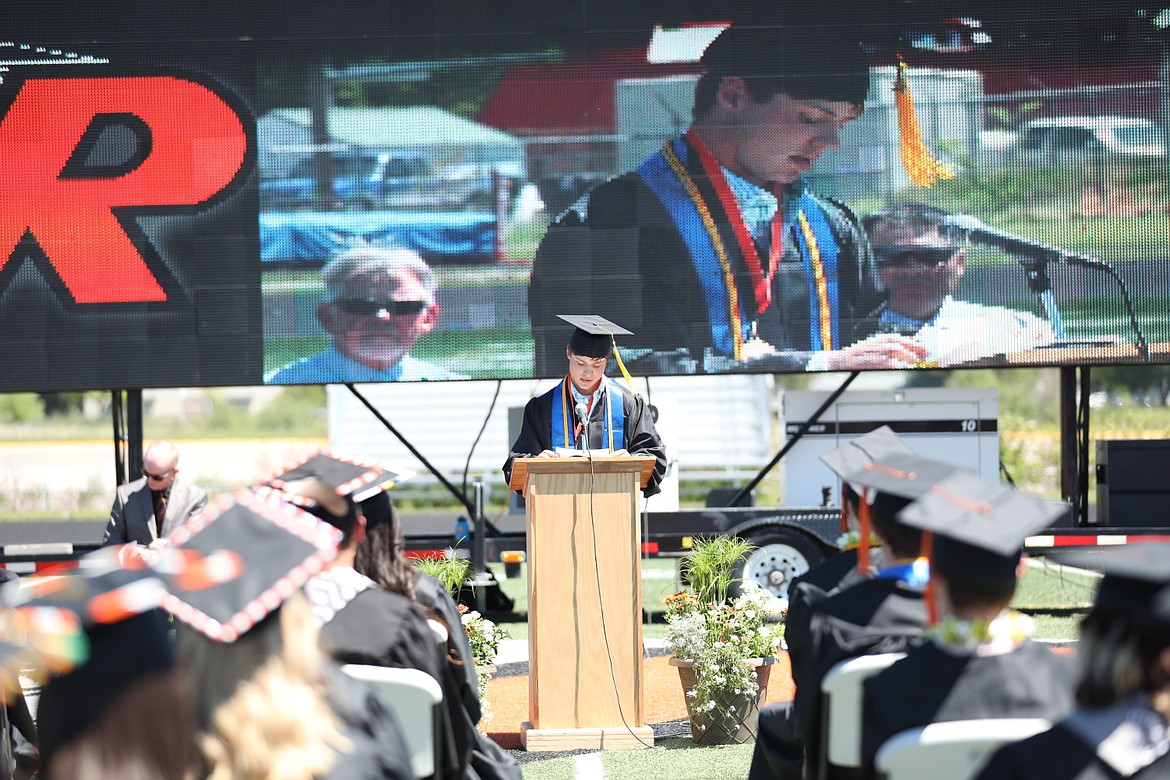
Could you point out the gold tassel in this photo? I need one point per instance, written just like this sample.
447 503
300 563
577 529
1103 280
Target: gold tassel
923 168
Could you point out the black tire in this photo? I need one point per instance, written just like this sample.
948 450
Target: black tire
781 555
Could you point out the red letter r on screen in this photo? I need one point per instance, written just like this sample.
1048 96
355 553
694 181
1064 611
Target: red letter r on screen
198 144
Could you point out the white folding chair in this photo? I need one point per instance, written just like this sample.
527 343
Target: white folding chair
841 709
956 750
415 698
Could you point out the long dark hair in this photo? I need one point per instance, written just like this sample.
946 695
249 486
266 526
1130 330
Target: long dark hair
381 555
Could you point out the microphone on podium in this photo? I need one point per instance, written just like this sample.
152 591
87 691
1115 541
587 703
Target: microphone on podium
583 417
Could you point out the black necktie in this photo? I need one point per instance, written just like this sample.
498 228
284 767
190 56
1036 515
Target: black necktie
160 512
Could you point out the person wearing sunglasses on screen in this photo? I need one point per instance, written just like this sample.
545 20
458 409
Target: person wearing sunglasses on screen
380 302
921 262
146 510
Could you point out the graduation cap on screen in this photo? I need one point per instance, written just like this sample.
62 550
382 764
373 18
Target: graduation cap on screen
276 548
349 477
123 637
1136 582
593 336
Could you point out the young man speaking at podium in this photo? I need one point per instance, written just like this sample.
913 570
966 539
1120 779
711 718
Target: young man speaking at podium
588 411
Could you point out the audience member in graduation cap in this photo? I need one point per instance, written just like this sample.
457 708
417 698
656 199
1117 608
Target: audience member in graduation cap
124 710
979 660
879 613
1121 724
270 703
362 623
618 420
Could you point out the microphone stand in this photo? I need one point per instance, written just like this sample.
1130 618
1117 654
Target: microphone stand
1035 263
1036 269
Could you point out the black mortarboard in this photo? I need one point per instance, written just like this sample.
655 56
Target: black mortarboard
275 547
882 462
979 526
1136 582
350 477
905 476
853 455
593 336
127 641
809 58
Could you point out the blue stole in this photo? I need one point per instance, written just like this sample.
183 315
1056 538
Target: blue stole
564 417
914 573
656 173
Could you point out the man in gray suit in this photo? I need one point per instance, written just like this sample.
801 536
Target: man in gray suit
148 509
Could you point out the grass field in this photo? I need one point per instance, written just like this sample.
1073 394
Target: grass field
1053 594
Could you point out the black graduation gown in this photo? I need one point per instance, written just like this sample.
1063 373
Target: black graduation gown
619 254
376 746
385 629
641 438
380 628
1059 754
779 751
826 578
431 595
879 615
931 685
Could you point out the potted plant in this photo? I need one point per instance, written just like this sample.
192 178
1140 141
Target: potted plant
723 646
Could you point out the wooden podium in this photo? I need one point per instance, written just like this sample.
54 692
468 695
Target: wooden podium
584 601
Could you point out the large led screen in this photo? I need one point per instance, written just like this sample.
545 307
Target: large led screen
299 201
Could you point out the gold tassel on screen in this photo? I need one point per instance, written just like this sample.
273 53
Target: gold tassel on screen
923 168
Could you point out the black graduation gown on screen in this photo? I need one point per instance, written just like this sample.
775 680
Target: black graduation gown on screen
932 685
879 615
618 253
641 438
1059 754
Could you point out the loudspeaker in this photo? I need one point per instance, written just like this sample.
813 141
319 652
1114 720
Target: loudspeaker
1133 488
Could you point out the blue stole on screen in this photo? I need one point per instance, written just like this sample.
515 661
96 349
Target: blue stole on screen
564 418
658 176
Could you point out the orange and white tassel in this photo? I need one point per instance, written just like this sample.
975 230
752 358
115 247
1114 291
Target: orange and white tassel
923 168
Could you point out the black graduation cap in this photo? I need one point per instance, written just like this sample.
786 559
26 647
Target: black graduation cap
593 336
905 476
125 639
811 56
882 462
1136 582
270 547
854 455
979 526
350 477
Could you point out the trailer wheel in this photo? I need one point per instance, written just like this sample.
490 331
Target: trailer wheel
780 556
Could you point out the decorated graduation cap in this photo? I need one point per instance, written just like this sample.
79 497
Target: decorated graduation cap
272 548
974 528
356 479
1136 582
117 635
593 336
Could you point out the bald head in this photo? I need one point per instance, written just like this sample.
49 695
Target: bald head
160 464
